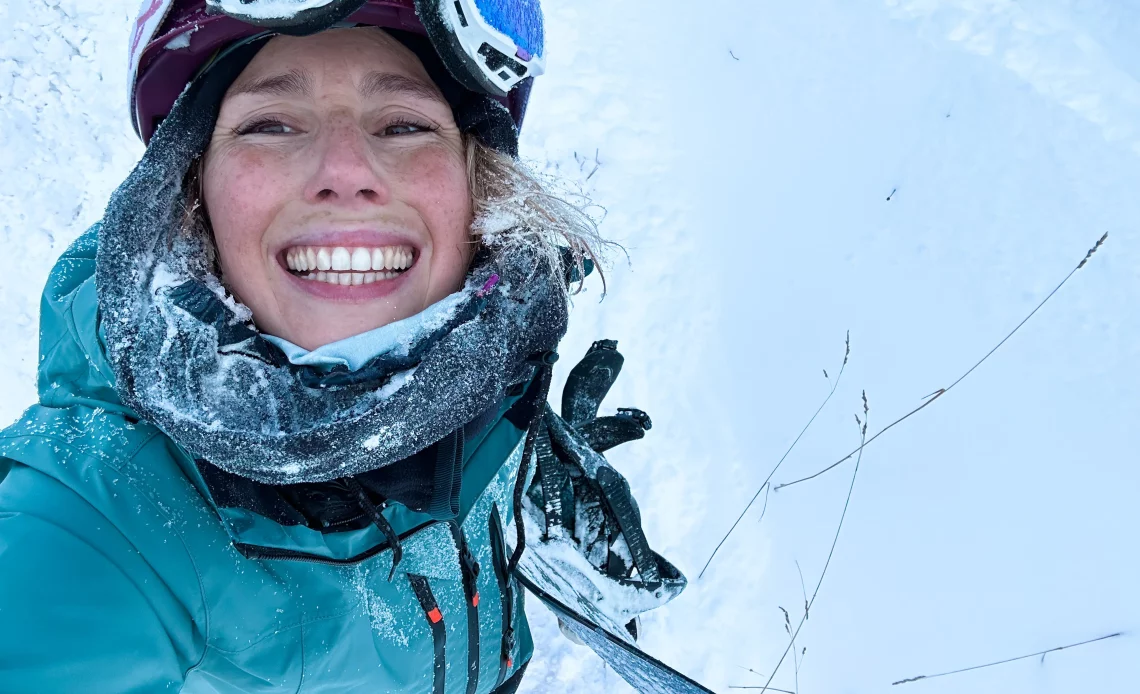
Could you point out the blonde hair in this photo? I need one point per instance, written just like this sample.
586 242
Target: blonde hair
513 208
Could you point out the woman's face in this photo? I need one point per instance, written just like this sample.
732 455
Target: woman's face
336 186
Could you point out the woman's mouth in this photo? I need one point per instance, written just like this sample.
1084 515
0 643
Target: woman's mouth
347 266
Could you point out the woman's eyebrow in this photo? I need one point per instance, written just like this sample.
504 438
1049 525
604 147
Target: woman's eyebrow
377 83
294 82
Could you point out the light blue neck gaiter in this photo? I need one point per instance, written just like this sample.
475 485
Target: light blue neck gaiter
356 351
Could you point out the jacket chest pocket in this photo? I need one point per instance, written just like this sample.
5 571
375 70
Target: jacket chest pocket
438 625
450 608
473 618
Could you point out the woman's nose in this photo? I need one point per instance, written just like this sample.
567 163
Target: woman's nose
346 173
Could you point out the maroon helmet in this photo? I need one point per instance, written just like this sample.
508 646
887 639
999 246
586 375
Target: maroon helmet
173 39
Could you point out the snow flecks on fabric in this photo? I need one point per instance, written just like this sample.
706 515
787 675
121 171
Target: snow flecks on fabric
372 442
163 277
241 312
383 620
267 9
446 310
181 41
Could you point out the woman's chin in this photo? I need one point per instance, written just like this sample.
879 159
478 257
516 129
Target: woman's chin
316 313
332 328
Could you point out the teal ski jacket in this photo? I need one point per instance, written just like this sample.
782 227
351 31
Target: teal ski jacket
121 572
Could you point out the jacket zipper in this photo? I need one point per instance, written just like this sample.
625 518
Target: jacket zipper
250 551
470 569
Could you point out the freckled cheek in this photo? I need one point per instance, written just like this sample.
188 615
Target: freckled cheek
243 196
435 184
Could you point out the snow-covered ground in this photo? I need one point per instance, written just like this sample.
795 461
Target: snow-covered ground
745 153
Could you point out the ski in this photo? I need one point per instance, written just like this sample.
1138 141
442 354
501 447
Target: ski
642 671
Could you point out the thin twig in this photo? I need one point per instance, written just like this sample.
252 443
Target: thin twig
1008 660
764 508
843 516
942 391
838 377
795 656
771 689
796 663
597 164
933 396
802 588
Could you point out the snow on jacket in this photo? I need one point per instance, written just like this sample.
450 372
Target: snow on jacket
121 572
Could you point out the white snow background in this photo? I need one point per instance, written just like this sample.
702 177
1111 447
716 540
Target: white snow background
745 152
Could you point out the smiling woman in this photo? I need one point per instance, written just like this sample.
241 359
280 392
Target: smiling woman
354 113
337 146
298 375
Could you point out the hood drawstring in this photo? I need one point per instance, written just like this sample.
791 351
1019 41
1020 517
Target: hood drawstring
545 361
380 521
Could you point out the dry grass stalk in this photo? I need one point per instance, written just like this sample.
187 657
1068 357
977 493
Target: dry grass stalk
835 541
768 479
942 391
1010 660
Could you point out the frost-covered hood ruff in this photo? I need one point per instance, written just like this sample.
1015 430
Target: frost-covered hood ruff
187 357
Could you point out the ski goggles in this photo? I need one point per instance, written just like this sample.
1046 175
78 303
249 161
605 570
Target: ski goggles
491 47
488 45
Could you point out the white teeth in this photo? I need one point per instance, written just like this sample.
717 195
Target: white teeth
341 260
350 278
324 259
345 266
361 259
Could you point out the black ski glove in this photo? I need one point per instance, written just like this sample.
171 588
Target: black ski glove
582 501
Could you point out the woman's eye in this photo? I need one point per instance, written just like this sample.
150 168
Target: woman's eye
405 129
266 127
